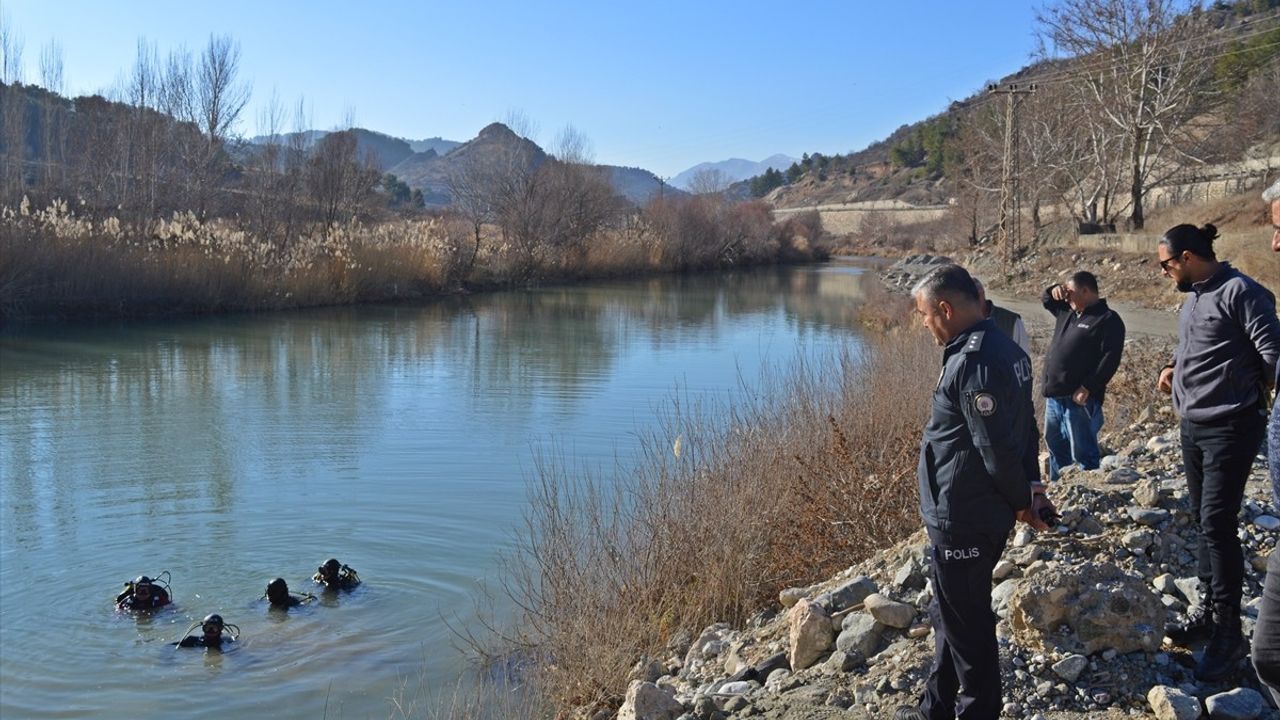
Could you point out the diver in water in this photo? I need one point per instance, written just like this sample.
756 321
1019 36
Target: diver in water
279 596
144 593
336 576
211 634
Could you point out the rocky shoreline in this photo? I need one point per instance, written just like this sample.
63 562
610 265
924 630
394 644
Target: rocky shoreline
1082 609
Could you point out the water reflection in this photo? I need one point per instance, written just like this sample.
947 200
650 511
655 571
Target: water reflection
234 449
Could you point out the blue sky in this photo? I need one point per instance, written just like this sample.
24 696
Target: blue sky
661 85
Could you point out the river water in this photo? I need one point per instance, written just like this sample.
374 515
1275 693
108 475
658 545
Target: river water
233 450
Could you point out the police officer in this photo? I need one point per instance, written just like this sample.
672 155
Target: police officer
978 472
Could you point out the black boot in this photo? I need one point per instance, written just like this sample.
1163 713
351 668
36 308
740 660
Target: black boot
908 712
1226 648
1199 622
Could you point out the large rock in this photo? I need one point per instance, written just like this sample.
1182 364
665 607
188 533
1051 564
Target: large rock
1238 704
770 665
810 636
1000 595
847 595
1070 667
890 612
1100 605
861 633
646 701
1122 476
1267 522
704 654
1169 703
1147 493
1148 516
1190 589
792 595
841 661
1138 539
910 575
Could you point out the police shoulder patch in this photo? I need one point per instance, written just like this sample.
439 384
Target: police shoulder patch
975 341
985 404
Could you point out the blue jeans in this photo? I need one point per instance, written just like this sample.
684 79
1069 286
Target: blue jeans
1071 432
1273 456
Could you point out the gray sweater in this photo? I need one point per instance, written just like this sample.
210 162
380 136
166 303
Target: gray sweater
1228 345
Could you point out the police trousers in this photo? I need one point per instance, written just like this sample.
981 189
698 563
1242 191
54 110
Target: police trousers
1217 457
965 679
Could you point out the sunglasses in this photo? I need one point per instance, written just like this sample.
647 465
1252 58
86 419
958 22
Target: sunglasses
1164 264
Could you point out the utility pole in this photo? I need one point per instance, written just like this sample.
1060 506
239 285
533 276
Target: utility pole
1010 228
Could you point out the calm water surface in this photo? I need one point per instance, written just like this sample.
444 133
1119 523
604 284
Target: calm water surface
233 450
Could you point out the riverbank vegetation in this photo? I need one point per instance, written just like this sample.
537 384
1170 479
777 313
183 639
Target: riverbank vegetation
726 506
57 262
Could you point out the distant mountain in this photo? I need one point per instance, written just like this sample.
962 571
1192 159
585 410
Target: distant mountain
387 151
426 164
734 169
638 185
429 171
439 144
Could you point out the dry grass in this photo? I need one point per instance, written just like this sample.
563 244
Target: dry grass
54 262
725 507
485 699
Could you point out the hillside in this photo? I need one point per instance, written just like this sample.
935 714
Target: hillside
385 150
494 146
638 185
1077 131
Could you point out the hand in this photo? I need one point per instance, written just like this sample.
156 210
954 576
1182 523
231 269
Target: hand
1036 514
1081 395
1165 383
1059 293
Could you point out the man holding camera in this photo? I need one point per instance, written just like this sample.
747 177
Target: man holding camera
978 472
1088 339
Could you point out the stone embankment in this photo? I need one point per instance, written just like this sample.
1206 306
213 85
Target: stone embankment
1082 610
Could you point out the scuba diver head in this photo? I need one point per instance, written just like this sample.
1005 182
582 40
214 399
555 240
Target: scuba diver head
278 592
145 593
211 627
143 587
328 572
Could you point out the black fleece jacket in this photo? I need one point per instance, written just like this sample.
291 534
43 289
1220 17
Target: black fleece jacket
1086 348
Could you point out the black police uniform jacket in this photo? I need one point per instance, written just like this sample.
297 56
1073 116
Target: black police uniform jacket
980 451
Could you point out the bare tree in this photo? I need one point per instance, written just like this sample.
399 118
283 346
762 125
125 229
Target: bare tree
220 95
1142 64
473 183
519 122
572 146
977 186
219 98
265 171
339 180
13 112
11 47
53 130
709 181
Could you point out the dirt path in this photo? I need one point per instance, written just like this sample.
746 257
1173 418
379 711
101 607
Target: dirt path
1137 320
